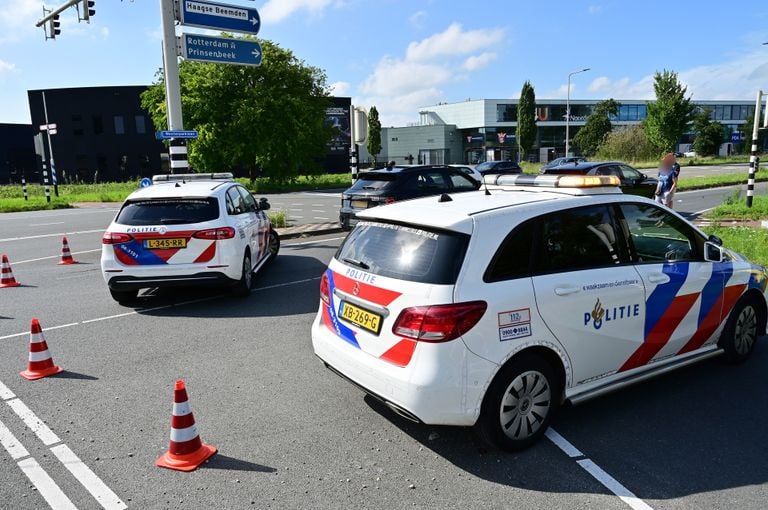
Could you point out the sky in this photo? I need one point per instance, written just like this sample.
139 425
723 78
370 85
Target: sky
401 55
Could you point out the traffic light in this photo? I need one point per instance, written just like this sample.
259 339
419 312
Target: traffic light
54 27
88 9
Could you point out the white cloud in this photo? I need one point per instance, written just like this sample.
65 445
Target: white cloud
6 67
17 21
453 41
394 77
480 61
595 9
275 11
417 19
104 32
339 88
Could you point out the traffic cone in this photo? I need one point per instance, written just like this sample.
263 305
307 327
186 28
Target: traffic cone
66 256
6 276
40 360
186 451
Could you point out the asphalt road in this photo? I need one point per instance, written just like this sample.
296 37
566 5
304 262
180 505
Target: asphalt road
292 435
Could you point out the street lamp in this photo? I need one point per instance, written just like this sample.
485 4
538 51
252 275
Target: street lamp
568 108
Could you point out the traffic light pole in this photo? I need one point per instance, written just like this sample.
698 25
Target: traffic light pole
56 12
178 149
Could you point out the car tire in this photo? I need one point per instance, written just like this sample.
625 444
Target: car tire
243 286
274 244
124 296
741 331
519 404
344 222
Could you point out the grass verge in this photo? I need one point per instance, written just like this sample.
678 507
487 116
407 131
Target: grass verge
714 181
750 242
735 207
279 218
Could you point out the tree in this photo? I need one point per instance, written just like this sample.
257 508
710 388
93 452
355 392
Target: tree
374 134
669 116
627 143
526 119
746 135
271 116
598 125
709 135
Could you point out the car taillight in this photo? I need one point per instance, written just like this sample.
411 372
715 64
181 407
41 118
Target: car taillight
325 289
389 200
215 233
116 238
439 323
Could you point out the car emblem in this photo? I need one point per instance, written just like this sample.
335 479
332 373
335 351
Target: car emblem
162 230
356 289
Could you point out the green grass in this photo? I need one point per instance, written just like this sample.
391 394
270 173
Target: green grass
301 183
713 181
279 218
750 242
735 207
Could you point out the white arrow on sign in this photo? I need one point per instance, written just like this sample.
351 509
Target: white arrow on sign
255 53
254 21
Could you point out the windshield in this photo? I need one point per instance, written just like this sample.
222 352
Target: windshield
374 181
482 167
171 211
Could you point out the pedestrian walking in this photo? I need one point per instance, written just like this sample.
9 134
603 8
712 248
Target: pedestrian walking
665 189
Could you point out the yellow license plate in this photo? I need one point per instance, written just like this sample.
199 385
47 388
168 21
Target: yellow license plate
164 244
363 318
360 204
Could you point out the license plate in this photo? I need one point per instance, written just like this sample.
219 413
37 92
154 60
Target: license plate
164 244
360 204
359 317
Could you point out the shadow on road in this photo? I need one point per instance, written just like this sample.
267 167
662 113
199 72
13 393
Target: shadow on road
68 374
220 461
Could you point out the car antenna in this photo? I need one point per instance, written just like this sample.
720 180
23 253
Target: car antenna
485 185
445 197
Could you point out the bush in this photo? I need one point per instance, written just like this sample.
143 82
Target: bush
627 144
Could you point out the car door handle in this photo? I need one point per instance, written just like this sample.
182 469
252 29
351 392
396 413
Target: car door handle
658 278
564 291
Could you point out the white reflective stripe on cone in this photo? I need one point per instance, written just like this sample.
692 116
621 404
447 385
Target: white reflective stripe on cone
183 435
180 149
181 408
36 338
179 164
40 356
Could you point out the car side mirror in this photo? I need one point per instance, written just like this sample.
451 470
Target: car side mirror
264 204
713 252
715 240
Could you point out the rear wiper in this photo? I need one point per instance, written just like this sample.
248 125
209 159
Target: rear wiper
358 263
369 187
173 221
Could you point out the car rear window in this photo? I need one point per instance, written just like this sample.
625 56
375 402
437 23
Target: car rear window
405 252
169 211
373 181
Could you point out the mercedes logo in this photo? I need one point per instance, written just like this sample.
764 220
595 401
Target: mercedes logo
162 230
356 289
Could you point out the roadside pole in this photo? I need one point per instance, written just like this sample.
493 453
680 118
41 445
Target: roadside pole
24 186
50 149
754 161
178 148
352 144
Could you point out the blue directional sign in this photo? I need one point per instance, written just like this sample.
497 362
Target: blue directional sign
167 135
736 137
220 49
199 13
146 181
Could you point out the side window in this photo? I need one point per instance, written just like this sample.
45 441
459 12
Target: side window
627 172
230 207
608 170
461 182
249 202
513 258
577 239
431 180
237 200
658 236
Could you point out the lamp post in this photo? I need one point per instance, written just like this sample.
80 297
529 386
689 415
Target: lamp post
568 109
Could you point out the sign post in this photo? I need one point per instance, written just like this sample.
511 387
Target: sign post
754 160
51 130
171 73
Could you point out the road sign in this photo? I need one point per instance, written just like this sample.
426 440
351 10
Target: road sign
220 50
736 137
146 181
46 127
167 135
235 18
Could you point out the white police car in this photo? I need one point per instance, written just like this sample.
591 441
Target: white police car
493 308
188 229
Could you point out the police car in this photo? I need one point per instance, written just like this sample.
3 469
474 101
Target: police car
187 229
492 308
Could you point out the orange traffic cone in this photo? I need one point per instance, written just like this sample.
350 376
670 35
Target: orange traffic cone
6 276
66 256
186 451
40 360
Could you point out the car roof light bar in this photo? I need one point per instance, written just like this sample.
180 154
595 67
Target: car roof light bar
219 176
553 181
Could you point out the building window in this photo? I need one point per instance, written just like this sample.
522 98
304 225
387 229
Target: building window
141 126
119 125
77 125
98 125
506 113
394 138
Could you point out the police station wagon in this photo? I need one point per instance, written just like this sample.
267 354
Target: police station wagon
492 308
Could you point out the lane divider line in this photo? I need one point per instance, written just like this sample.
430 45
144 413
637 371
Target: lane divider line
57 234
52 257
278 285
51 493
12 445
597 472
5 392
92 483
34 423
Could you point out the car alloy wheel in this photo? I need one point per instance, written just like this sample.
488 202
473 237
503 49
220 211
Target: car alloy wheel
525 405
745 332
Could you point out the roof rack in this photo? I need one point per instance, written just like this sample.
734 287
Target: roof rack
553 181
219 176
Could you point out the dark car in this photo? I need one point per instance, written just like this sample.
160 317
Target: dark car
499 167
384 186
563 161
633 181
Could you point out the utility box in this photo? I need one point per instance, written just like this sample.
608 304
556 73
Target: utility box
546 154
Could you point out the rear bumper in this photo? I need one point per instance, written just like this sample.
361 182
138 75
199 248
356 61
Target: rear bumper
124 282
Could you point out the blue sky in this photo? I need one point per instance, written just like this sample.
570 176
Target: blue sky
404 54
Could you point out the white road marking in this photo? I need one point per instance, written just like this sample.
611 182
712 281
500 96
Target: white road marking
45 485
597 472
313 242
34 423
297 217
88 478
44 224
278 285
613 485
12 445
321 218
704 210
319 210
57 234
5 392
16 263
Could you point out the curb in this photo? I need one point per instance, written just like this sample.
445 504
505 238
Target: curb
309 230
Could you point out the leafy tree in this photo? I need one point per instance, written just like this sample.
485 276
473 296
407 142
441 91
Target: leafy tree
628 143
746 135
669 116
526 119
374 134
271 116
709 135
598 125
